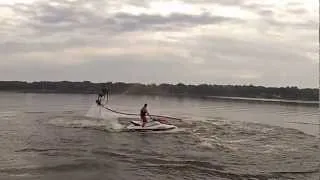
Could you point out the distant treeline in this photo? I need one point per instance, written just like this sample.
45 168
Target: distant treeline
203 90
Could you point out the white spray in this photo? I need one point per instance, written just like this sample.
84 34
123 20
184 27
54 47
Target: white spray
110 119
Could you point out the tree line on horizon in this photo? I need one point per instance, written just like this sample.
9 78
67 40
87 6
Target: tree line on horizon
180 89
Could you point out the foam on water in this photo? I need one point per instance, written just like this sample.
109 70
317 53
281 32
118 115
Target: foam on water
8 114
206 144
110 118
78 123
96 118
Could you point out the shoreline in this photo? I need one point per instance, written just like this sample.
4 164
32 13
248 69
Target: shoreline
224 98
245 92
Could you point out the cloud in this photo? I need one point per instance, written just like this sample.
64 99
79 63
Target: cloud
52 18
174 21
223 42
66 24
222 2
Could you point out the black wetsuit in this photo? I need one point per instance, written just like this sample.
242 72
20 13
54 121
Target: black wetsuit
103 92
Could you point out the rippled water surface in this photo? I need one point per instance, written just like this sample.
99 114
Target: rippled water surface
52 136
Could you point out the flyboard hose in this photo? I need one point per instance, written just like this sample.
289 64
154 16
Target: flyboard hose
131 114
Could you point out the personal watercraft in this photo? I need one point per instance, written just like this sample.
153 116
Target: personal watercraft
152 125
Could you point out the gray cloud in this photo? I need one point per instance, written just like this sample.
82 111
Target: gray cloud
222 2
41 36
62 18
265 12
45 25
70 25
297 11
174 21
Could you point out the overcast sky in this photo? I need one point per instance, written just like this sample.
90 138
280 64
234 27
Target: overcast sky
259 42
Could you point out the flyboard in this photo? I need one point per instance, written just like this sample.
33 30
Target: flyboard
155 122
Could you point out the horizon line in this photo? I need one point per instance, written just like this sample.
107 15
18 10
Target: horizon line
157 84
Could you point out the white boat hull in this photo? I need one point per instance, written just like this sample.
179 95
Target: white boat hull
149 126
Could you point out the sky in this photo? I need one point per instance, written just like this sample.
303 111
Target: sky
238 42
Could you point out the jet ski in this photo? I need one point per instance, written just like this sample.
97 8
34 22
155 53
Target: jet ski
153 125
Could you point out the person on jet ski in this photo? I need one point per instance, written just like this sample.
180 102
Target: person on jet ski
102 95
143 114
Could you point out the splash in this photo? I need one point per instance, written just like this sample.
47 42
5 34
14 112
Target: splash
77 122
110 119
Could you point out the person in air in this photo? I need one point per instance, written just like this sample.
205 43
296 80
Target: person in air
101 96
143 114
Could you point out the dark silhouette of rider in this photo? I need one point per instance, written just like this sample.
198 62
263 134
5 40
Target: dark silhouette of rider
143 114
101 96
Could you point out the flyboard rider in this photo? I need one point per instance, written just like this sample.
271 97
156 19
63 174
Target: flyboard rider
102 94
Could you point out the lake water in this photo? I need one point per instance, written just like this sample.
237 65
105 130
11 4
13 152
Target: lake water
52 136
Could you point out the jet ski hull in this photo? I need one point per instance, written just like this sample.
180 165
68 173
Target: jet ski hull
149 126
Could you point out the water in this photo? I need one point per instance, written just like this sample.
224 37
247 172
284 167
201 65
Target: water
52 136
